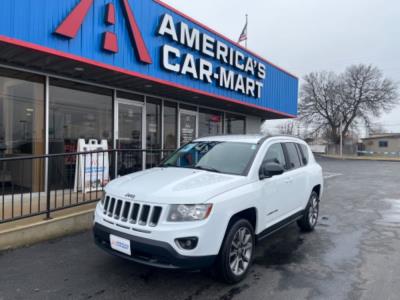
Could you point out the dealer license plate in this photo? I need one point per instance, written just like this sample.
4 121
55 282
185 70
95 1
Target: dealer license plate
120 244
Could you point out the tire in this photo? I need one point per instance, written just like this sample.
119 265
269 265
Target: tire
309 220
230 267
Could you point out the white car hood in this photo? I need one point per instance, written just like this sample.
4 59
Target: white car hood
174 185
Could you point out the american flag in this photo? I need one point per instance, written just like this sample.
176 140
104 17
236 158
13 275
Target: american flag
243 35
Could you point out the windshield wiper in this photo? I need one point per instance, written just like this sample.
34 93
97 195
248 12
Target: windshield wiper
211 169
167 165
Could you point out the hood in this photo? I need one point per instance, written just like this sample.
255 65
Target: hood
174 185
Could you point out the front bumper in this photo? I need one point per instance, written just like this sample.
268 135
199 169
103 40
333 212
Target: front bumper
150 252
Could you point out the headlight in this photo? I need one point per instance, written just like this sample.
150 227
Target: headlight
188 212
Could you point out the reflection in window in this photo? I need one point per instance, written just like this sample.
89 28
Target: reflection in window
130 132
294 160
219 157
129 137
21 130
188 126
170 126
76 111
275 155
187 123
153 126
210 123
235 124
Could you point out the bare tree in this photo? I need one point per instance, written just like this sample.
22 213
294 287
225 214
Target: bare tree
376 129
357 95
291 127
287 128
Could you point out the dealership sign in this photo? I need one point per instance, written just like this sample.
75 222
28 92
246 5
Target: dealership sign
249 82
151 40
203 69
71 24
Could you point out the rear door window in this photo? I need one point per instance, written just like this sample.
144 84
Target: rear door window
303 151
293 156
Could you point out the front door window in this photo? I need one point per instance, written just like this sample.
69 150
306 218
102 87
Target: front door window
129 137
188 126
153 132
210 122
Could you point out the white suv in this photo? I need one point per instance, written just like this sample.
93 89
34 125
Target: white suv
210 202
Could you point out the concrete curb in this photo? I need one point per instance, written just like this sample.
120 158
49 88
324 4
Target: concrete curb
370 158
45 230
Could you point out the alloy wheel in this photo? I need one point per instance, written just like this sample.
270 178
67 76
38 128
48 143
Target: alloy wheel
241 251
313 210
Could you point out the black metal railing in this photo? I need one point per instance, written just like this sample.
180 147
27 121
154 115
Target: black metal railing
41 185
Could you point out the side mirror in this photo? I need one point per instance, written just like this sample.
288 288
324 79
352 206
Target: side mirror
270 169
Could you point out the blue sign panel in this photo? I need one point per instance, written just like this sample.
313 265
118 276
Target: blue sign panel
152 40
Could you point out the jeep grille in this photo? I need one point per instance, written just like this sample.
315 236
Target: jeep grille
132 212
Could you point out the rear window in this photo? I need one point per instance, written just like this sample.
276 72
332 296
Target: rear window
303 153
294 159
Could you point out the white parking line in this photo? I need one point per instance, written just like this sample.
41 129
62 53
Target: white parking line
328 175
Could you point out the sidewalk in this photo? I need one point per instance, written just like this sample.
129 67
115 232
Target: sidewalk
373 158
36 229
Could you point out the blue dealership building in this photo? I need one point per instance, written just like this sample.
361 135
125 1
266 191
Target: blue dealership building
137 73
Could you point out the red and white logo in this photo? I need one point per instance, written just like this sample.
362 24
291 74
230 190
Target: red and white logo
71 24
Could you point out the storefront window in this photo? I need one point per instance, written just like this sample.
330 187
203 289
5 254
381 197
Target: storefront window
187 123
170 126
235 124
153 126
210 122
77 111
130 120
129 132
21 130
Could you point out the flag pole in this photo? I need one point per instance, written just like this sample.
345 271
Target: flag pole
247 29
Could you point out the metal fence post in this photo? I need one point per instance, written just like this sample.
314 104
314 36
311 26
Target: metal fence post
47 113
48 217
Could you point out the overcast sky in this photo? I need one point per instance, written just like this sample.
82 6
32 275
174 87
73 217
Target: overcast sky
312 35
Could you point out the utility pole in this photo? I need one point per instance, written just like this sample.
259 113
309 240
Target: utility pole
341 139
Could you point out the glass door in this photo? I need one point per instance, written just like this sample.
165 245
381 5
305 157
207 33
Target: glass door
187 126
129 136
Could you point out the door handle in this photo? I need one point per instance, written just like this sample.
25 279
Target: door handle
288 180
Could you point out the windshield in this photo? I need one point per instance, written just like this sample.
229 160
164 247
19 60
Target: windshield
220 157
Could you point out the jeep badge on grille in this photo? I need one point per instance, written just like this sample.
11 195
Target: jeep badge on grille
128 195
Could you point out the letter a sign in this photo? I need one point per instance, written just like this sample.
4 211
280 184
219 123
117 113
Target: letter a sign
71 24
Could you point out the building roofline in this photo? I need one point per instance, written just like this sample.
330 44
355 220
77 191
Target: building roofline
380 136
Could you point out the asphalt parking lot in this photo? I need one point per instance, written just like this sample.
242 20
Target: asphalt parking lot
353 254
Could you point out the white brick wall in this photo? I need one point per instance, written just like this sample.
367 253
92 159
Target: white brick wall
253 124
